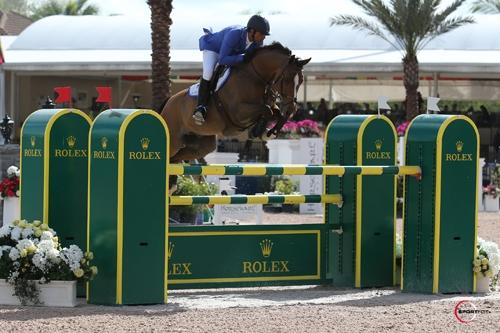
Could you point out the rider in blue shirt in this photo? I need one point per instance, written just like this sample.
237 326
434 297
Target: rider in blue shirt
229 46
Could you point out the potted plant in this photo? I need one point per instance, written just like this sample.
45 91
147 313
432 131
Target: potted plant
283 186
490 198
486 265
34 269
187 185
9 193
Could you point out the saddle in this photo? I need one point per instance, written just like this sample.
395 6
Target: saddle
219 78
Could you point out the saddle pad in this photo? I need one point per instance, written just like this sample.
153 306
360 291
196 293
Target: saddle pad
193 90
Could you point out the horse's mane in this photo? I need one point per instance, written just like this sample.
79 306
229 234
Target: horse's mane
274 46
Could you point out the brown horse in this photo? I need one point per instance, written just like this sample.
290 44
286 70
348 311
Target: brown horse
273 73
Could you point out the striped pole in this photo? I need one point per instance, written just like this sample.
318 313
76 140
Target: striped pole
254 199
292 169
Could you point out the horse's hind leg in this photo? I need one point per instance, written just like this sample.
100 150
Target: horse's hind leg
196 148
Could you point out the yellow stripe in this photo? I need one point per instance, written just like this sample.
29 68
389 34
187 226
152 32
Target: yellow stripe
254 171
175 169
294 170
244 233
247 279
180 200
215 170
258 199
372 170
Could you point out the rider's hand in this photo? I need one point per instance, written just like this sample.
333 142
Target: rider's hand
246 57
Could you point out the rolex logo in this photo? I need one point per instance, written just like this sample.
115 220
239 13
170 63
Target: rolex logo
71 140
460 146
266 246
378 144
104 142
33 141
145 143
170 249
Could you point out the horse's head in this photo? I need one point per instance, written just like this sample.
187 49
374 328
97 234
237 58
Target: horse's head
286 88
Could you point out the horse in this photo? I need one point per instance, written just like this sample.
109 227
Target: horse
271 75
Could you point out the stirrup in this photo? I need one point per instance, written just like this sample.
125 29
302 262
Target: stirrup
199 115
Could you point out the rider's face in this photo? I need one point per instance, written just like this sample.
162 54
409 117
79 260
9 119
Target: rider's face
259 37
255 36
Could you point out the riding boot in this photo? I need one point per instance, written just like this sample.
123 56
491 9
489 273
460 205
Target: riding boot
201 109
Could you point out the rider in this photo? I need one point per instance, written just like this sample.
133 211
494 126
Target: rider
229 46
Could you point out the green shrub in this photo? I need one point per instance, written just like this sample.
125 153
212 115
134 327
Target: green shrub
189 186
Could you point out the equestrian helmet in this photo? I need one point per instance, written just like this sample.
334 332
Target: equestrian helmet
258 23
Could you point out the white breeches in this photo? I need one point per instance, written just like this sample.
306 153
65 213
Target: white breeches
210 59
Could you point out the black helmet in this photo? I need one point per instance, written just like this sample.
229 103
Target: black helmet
258 23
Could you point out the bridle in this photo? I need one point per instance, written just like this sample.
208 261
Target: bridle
270 91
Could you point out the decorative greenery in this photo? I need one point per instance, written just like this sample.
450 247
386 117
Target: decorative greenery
187 185
285 186
9 187
487 261
30 253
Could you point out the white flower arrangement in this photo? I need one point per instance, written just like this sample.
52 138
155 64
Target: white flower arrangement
30 251
487 261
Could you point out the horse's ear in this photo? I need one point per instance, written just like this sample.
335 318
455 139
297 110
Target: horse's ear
292 59
304 62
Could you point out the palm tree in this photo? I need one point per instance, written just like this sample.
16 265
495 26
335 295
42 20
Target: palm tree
160 37
408 25
486 6
57 7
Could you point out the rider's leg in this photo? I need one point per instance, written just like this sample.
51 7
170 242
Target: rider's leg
209 61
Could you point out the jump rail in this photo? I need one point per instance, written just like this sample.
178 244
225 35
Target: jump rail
254 199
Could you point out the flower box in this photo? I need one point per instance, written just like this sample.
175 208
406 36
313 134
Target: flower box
54 293
491 203
482 283
11 209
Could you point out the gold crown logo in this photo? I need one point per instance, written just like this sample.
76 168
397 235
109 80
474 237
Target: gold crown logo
266 246
170 249
71 140
33 141
460 146
378 144
145 143
104 142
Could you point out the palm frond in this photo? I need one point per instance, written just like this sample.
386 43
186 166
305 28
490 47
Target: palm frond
361 24
486 6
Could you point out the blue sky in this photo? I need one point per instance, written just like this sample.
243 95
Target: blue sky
324 8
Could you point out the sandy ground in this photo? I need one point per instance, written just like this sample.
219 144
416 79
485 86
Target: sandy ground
274 309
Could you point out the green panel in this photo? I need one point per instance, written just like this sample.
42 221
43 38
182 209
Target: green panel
376 206
419 205
458 208
145 207
202 257
68 163
103 204
32 164
341 150
378 200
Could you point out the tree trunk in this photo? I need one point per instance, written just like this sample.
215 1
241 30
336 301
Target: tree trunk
411 82
160 64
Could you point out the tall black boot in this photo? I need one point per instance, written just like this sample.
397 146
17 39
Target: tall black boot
201 110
